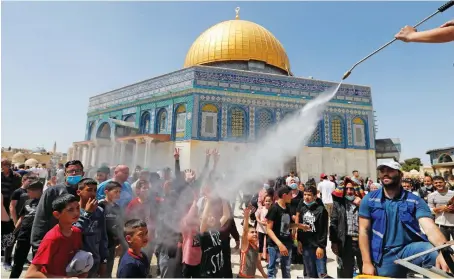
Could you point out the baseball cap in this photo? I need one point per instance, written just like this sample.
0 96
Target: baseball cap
323 175
392 165
82 262
104 169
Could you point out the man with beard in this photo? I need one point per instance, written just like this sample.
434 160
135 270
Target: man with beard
44 220
389 228
343 230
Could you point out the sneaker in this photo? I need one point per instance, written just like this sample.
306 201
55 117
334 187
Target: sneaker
7 267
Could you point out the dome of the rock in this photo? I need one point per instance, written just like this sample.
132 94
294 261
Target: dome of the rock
237 40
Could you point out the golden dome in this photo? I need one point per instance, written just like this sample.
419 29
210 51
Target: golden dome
237 40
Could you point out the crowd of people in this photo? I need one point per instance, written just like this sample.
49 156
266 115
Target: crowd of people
182 221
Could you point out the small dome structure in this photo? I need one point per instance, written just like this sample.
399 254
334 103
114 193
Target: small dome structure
31 162
19 158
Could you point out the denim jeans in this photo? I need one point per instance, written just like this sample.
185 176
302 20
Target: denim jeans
321 265
285 261
313 267
389 269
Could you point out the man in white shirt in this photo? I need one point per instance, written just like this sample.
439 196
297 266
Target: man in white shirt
325 189
292 177
441 204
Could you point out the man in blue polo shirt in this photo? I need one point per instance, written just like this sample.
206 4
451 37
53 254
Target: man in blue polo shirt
389 227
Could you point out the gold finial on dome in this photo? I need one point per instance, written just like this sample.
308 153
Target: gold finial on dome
237 11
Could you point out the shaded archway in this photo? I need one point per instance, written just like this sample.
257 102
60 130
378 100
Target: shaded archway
445 158
104 131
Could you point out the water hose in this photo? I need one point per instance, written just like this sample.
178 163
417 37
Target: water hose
443 8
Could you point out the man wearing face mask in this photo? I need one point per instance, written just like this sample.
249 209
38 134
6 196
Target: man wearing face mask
344 229
390 222
44 220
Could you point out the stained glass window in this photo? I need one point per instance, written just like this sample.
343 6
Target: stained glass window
238 123
337 133
162 122
264 121
209 121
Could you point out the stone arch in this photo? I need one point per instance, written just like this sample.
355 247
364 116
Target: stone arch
104 130
337 131
91 130
145 121
359 132
445 158
237 122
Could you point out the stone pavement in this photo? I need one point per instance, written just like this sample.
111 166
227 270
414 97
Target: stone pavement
296 271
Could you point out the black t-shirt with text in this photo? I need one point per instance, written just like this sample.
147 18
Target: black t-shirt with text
114 217
281 224
212 258
28 212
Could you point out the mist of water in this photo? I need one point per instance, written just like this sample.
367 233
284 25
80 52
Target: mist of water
283 141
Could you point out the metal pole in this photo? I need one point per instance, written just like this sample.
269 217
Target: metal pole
440 10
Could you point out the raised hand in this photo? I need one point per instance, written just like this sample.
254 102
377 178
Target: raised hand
216 155
189 175
91 205
176 154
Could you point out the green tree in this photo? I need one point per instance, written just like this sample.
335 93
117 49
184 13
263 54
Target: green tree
412 163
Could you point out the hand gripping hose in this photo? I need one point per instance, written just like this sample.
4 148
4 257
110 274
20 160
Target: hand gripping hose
443 8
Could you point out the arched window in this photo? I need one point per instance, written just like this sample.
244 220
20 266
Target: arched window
181 121
263 121
237 123
145 123
337 131
359 135
162 122
209 121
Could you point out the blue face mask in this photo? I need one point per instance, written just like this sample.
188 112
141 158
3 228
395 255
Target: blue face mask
350 198
309 204
73 180
294 186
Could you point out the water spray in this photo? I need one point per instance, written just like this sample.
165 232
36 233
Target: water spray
443 8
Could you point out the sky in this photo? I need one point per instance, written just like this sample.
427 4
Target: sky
55 55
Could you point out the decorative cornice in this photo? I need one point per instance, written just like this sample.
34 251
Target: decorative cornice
223 79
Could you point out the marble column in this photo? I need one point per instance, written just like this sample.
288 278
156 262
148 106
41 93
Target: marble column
122 152
97 146
74 156
89 154
136 149
146 160
113 159
69 154
80 152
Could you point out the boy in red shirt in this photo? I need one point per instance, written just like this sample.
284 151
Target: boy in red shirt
61 243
